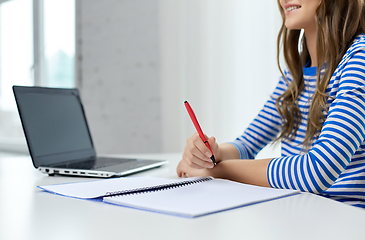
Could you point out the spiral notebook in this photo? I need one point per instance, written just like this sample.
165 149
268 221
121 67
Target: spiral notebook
188 197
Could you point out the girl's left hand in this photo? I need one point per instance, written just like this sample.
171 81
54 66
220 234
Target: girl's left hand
184 170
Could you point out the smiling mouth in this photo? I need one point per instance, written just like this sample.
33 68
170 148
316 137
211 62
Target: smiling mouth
292 8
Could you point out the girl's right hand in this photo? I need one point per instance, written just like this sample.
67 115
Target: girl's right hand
196 155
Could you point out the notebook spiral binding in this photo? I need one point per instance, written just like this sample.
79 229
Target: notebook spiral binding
158 187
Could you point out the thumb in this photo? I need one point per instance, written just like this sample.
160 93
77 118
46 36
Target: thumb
213 145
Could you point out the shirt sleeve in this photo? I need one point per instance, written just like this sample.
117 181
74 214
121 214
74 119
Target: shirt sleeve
341 135
263 129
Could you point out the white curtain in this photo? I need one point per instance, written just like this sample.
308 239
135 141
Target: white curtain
220 55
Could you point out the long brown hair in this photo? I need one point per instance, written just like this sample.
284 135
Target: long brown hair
338 23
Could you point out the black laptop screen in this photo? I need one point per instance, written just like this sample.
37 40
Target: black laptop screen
54 124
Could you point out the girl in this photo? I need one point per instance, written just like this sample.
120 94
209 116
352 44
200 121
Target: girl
317 110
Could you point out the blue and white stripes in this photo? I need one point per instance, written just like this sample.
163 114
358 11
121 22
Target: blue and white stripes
335 164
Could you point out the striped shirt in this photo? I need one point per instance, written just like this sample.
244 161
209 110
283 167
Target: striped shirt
334 166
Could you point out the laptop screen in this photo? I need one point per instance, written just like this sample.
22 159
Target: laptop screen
54 124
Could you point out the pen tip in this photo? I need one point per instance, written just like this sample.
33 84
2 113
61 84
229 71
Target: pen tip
185 101
213 160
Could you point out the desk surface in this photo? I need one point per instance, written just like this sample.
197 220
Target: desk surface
26 212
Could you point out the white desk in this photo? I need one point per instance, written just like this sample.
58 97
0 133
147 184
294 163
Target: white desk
26 212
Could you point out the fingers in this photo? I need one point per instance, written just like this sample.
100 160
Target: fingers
214 146
197 154
184 170
179 172
196 157
198 148
195 162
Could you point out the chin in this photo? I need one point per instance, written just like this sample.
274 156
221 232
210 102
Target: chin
292 27
293 24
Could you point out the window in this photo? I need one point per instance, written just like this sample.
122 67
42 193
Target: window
33 51
59 39
16 61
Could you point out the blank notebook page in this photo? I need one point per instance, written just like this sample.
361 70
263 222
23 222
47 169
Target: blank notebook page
201 198
99 188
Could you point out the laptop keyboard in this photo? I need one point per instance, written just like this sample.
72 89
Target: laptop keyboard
95 163
105 162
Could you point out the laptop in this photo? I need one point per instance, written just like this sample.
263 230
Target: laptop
59 139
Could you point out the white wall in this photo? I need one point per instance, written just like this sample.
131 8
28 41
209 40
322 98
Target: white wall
221 56
140 59
118 73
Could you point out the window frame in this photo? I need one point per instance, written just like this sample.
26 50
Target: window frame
38 75
38 42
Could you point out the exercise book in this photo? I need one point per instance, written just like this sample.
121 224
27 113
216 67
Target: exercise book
186 197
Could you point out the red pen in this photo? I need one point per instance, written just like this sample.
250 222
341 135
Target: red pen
198 129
